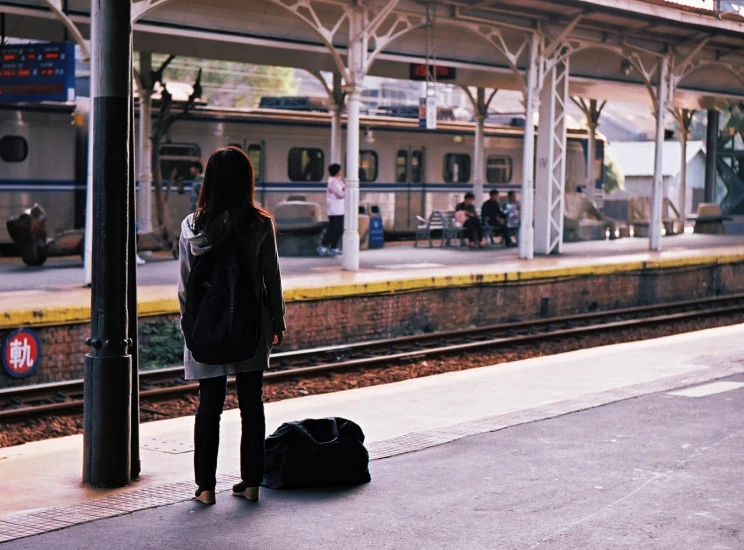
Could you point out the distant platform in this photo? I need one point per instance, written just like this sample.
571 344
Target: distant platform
54 293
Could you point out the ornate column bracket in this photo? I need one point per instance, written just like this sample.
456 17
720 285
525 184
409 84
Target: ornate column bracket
140 8
304 10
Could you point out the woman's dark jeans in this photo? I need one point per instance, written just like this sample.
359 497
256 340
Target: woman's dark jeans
212 392
334 232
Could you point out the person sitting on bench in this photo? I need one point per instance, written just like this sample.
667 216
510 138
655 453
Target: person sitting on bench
465 214
493 216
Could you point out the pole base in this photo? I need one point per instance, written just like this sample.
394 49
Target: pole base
351 251
107 418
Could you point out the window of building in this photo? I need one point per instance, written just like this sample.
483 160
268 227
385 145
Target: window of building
176 159
456 168
305 164
367 166
254 153
13 148
499 169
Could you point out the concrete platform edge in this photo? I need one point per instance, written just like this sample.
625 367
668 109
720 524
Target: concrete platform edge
55 316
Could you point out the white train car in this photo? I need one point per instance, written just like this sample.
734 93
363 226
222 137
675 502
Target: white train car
38 148
405 170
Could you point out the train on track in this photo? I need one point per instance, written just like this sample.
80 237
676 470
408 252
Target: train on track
405 170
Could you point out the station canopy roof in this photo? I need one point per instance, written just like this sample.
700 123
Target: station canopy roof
601 33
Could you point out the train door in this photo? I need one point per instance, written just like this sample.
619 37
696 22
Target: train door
255 151
409 175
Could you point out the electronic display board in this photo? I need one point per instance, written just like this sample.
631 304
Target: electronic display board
417 71
37 72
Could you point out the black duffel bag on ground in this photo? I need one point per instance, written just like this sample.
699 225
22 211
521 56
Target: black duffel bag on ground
321 452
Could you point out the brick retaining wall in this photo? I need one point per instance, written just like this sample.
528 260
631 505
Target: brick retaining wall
365 317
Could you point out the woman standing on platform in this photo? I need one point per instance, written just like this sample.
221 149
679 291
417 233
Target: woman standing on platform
226 209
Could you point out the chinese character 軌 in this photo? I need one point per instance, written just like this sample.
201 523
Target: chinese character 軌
20 355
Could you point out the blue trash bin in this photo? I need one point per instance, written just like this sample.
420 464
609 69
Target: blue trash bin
376 228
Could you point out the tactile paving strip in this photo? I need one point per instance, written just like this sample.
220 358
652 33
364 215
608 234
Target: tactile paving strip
41 521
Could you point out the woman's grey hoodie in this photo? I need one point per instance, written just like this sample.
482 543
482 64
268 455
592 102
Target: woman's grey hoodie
260 243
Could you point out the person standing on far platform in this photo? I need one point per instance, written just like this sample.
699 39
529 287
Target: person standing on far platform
228 221
512 211
197 178
335 195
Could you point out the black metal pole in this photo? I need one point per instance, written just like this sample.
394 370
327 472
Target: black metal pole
108 366
711 158
65 8
132 298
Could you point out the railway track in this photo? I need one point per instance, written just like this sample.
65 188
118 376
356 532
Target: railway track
66 397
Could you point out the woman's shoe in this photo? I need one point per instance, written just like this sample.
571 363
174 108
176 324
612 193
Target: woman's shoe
243 490
204 496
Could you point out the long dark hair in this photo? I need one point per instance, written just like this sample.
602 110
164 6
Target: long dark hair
227 193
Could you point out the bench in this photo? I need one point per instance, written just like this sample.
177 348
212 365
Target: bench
439 221
583 222
425 227
639 215
709 219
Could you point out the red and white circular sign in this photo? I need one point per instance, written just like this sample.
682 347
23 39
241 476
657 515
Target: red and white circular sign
21 353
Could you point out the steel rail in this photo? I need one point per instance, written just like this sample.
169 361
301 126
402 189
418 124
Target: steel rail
439 347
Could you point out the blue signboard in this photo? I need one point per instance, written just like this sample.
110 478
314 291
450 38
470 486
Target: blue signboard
37 72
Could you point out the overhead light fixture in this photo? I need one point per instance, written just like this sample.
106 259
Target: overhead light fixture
625 67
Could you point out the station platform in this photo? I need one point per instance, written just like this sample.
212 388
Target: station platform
599 448
53 293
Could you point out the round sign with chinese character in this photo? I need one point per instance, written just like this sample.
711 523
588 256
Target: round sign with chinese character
21 353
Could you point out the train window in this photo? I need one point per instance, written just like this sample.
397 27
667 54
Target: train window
254 153
368 162
13 148
499 169
456 168
305 164
417 166
401 166
175 160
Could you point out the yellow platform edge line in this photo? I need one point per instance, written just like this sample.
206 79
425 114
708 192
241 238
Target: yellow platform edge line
65 315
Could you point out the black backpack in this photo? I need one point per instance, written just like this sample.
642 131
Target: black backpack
322 452
222 321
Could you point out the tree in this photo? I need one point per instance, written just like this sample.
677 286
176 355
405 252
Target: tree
227 84
614 179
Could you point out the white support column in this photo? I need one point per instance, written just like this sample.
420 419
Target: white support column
354 93
684 121
337 103
683 137
526 228
144 197
591 154
479 152
657 191
550 179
